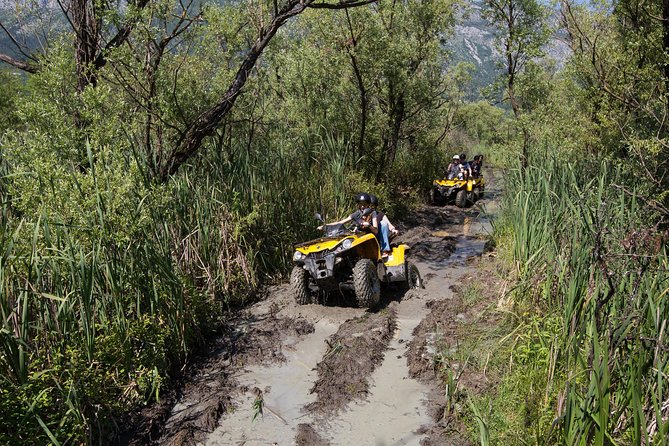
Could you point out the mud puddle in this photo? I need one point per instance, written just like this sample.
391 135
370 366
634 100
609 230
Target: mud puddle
466 248
395 406
271 407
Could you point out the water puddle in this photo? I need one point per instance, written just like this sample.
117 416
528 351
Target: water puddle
466 248
443 234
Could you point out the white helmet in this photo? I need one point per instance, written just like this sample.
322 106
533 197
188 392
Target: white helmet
456 157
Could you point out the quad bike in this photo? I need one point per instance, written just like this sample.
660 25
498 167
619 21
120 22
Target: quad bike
462 192
348 258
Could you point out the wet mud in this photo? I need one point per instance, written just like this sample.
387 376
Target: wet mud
282 373
307 436
352 355
186 415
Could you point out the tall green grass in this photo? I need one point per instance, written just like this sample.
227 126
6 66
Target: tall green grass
589 253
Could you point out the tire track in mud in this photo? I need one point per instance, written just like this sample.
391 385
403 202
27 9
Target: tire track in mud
322 373
272 396
353 353
393 408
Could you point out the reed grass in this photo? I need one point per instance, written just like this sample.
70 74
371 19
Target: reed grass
595 257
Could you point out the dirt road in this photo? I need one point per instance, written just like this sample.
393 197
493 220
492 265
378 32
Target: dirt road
287 374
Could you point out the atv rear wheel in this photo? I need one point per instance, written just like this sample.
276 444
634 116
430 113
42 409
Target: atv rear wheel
366 283
413 278
461 199
299 282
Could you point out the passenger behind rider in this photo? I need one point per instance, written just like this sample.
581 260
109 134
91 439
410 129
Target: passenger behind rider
387 230
452 169
366 222
476 166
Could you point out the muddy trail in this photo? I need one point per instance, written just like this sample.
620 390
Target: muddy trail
288 374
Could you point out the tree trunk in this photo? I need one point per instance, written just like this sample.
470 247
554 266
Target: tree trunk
524 155
511 67
361 87
665 47
87 36
363 105
395 118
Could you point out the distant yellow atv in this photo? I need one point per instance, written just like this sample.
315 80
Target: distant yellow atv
462 192
347 258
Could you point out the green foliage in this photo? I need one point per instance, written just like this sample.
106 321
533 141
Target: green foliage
364 71
590 258
483 129
521 30
10 95
619 65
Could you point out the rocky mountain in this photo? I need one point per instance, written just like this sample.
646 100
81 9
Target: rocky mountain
474 42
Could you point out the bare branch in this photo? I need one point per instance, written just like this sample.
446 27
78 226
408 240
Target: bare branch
24 66
342 5
18 46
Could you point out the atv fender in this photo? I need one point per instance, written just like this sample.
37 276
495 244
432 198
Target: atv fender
395 265
367 247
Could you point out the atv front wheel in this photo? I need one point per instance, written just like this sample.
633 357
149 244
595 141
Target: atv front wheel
413 278
366 283
299 282
434 197
461 199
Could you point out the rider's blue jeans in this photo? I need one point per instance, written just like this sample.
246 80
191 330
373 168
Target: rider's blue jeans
383 237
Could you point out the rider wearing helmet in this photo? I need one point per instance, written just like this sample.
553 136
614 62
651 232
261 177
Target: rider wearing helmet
363 218
476 166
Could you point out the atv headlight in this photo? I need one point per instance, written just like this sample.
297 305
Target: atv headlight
347 243
298 256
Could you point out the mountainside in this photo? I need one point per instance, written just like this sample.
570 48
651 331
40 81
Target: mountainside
474 42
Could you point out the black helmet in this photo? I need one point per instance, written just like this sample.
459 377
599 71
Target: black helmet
463 157
373 200
363 197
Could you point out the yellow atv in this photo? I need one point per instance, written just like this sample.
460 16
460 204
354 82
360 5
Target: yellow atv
346 258
461 192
